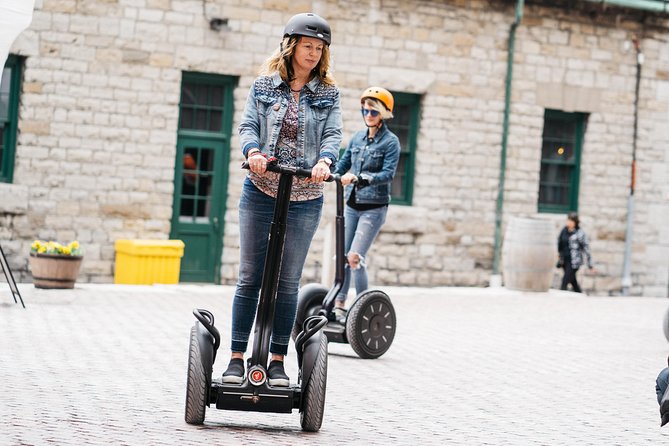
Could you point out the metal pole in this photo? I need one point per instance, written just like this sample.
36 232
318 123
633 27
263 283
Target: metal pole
661 6
629 230
496 279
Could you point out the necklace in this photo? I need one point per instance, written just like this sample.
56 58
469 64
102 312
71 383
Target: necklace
295 91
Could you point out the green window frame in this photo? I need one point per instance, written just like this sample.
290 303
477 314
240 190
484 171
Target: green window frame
561 161
405 125
10 89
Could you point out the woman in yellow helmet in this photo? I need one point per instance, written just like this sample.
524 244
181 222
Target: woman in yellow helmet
367 167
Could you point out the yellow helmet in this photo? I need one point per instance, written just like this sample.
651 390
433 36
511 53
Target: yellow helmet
381 94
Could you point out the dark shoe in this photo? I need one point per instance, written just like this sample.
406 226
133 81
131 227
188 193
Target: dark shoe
235 372
340 315
276 376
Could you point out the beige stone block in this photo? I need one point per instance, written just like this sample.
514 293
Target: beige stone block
15 199
135 56
66 6
32 87
35 127
452 90
401 79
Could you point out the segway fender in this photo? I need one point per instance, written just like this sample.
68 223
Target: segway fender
307 295
207 350
309 356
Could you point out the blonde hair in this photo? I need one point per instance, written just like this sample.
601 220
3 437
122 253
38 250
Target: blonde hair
280 61
377 105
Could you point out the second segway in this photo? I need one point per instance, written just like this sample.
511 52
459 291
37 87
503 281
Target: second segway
370 321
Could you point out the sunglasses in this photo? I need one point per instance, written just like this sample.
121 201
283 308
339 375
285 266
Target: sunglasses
366 112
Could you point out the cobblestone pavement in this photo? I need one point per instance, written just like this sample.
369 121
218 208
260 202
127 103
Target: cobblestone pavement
104 364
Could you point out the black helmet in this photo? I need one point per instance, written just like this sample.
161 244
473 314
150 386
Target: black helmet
310 25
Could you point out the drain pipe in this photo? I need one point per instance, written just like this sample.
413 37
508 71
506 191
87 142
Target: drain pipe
661 6
629 230
496 279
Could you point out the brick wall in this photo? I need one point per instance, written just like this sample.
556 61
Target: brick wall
99 111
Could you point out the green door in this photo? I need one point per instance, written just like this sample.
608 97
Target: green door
201 173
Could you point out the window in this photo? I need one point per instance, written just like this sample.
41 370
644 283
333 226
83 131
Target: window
560 161
405 126
9 113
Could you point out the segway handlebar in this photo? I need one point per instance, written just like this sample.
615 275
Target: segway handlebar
273 166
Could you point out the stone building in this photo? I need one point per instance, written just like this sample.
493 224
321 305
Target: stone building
120 122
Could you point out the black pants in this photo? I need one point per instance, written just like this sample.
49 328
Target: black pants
570 277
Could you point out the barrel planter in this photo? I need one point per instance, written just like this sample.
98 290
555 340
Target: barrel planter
54 270
529 254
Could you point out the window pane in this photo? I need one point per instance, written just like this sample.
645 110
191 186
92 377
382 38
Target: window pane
216 96
2 145
201 94
216 121
186 118
202 107
396 190
4 94
556 128
201 120
187 94
560 155
400 124
552 195
405 126
555 173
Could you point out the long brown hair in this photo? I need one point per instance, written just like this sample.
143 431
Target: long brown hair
280 61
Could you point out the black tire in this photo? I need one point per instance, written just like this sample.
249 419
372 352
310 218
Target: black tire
665 325
309 303
371 324
196 384
313 399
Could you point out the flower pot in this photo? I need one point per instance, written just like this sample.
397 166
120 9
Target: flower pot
54 270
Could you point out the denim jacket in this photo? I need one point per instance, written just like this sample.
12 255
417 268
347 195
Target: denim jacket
319 115
374 161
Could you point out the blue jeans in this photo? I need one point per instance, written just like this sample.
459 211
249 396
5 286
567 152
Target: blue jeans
362 227
256 210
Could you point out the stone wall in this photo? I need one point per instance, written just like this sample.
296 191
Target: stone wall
99 111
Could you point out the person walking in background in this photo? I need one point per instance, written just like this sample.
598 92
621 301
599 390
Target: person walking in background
292 113
370 161
572 246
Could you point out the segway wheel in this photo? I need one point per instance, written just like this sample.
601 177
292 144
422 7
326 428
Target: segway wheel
313 404
196 385
371 324
665 325
309 302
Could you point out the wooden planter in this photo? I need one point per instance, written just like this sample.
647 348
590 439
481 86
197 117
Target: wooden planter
54 271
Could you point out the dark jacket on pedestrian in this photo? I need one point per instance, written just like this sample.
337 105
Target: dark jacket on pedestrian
572 246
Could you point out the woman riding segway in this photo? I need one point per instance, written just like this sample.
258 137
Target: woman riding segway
367 167
290 133
274 125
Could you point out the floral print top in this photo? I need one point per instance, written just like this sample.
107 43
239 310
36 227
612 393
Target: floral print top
286 153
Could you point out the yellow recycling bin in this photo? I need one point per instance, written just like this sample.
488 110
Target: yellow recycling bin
145 262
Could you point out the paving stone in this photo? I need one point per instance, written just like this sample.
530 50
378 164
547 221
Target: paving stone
105 364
